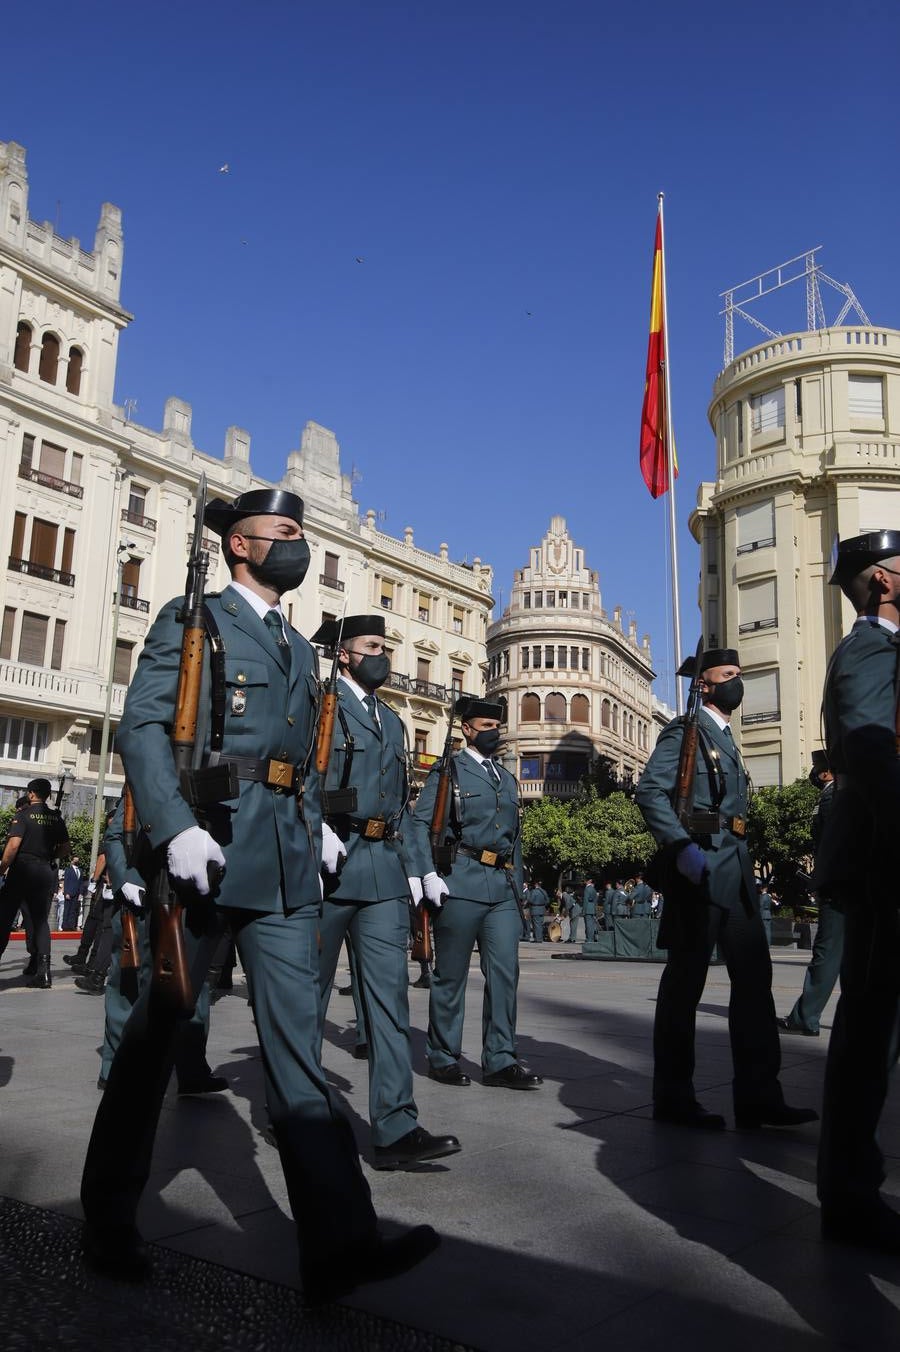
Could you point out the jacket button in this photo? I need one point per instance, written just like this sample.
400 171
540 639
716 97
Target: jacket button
290 720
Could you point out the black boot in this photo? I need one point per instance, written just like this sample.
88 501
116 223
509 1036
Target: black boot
42 979
30 968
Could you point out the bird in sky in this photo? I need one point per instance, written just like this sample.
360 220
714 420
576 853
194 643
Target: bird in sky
360 260
224 168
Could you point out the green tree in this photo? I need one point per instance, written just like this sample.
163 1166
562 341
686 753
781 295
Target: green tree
585 834
779 836
81 833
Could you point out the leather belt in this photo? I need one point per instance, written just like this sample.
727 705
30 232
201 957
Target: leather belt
492 858
736 825
707 823
370 828
275 774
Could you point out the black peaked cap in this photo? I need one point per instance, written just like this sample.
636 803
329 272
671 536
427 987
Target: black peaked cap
220 516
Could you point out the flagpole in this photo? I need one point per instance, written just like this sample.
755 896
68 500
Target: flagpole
670 468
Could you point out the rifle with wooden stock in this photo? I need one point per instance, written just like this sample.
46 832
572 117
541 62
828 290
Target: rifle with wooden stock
340 801
130 957
170 985
661 871
442 852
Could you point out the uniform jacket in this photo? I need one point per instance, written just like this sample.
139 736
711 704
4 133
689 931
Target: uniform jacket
537 899
589 900
571 904
373 870
272 856
731 881
860 740
486 814
640 897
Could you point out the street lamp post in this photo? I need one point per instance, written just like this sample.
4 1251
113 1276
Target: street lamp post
123 556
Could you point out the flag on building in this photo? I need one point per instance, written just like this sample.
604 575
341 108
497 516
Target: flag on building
655 429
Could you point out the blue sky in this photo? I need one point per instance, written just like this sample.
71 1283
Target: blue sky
496 166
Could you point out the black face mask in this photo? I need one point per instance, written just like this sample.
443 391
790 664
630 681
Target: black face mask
285 565
371 671
727 695
487 741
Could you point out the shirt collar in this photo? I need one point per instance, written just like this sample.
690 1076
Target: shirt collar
361 694
879 620
476 754
712 712
256 603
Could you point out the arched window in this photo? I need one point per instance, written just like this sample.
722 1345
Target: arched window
22 359
530 709
581 709
73 375
49 358
555 709
606 714
615 725
504 717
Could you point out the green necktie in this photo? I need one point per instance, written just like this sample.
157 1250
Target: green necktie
272 621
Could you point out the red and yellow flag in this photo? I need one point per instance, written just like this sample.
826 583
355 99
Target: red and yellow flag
654 422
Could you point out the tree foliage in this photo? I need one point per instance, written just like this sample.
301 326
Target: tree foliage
586 834
779 836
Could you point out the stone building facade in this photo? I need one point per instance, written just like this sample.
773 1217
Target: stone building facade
576 684
80 479
807 434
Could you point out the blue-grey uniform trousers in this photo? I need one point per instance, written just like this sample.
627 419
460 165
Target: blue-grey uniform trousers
328 1194
120 995
822 972
379 932
458 925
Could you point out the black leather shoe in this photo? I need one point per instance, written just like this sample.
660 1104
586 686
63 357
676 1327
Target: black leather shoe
688 1115
30 968
101 1082
92 983
785 1026
213 1084
416 1147
423 983
73 960
513 1077
782 1116
866 1225
448 1075
361 1051
345 990
328 1279
117 1252
41 980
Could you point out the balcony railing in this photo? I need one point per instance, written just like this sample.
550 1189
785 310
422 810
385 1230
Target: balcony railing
772 716
37 476
750 626
138 519
326 580
133 602
211 546
40 570
412 685
754 544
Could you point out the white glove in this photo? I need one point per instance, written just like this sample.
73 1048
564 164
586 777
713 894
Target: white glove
333 848
91 888
415 889
132 895
188 855
435 889
691 864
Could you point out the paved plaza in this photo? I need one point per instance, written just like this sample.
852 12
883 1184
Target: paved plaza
571 1221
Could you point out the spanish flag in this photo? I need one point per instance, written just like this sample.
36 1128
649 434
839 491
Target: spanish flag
655 430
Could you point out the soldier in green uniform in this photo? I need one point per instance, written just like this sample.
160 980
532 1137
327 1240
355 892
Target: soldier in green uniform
717 904
537 905
369 881
825 964
589 904
258 709
855 869
37 835
476 903
639 897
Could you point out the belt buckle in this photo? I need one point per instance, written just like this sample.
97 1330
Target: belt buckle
489 857
280 775
375 828
739 826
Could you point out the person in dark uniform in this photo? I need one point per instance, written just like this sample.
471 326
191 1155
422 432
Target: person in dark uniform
764 901
537 905
717 905
589 904
825 964
37 836
573 911
477 903
856 870
258 714
369 879
639 897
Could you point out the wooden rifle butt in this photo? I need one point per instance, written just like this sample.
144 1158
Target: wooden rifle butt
130 959
421 950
